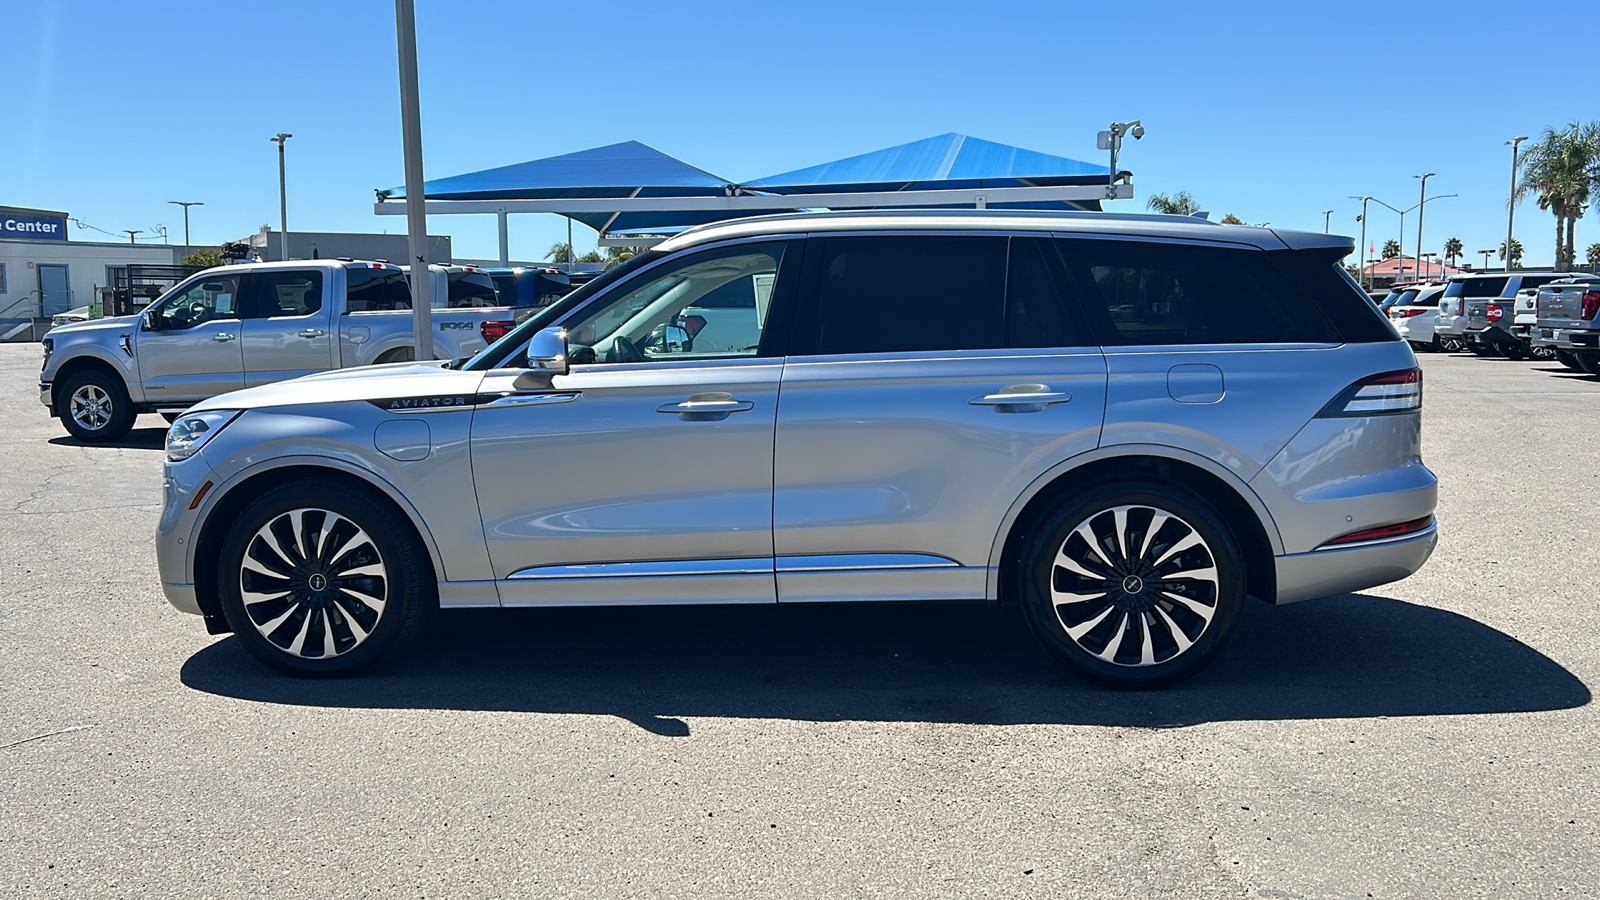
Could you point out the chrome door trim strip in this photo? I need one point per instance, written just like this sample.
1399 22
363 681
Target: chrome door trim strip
655 569
855 562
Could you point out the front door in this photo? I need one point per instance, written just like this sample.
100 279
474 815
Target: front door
192 352
933 378
645 474
55 292
285 331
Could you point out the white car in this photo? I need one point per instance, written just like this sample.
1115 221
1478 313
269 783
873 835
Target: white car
1414 315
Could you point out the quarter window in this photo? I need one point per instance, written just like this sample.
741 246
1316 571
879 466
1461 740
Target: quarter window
1151 292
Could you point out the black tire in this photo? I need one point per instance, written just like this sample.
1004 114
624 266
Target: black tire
1420 347
1588 362
1514 350
1482 350
1568 359
94 407
1543 352
1175 638
362 616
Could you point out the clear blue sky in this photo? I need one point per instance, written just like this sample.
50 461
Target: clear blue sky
1273 111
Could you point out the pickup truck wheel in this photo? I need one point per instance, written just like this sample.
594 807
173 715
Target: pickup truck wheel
1134 585
1514 351
95 408
1588 362
1566 358
319 580
1543 352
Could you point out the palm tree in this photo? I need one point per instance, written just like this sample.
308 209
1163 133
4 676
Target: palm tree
1391 248
1179 204
561 251
1453 250
616 256
1516 252
1593 254
1560 170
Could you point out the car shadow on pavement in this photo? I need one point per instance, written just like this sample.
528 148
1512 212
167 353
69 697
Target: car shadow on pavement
137 439
1348 656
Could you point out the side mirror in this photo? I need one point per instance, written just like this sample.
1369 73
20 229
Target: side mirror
547 351
147 321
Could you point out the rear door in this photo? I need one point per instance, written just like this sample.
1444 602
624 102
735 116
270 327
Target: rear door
286 330
1208 347
931 378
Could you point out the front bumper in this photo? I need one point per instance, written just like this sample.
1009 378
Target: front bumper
47 396
1341 570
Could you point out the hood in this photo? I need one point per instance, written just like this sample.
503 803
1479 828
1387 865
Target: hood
394 381
115 323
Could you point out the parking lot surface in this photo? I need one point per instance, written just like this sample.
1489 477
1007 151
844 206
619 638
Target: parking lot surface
1433 737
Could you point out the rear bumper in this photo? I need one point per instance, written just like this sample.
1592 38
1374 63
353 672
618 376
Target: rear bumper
1450 326
1340 570
1492 334
182 597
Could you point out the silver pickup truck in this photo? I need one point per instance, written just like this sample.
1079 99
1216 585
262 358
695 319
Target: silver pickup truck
1569 321
234 327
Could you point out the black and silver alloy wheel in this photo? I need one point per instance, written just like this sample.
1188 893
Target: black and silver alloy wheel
313 583
322 578
1134 585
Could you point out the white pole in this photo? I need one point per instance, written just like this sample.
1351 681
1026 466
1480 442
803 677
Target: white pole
505 242
416 216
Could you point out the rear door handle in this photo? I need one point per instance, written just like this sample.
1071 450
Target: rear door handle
222 337
710 406
1019 398
312 333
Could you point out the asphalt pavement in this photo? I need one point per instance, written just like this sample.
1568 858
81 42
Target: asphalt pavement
1433 737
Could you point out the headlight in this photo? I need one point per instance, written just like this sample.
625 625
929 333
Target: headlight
192 430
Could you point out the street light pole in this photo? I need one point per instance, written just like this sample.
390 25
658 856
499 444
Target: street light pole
405 21
1486 255
1511 206
186 204
1327 216
1366 280
1422 199
283 197
1401 242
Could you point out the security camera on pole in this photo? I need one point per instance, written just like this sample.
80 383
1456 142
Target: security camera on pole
1112 140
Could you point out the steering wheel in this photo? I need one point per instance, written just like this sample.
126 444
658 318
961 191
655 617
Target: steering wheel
623 351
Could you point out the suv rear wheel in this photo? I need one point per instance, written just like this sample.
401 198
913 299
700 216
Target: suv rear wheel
1134 585
320 580
94 407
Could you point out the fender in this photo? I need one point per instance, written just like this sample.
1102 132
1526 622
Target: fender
1243 489
126 367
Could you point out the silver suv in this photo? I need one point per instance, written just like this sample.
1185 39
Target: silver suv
1122 425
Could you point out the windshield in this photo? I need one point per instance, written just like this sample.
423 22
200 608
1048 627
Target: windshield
507 350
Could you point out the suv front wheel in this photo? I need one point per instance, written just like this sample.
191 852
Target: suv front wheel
319 580
94 407
1134 585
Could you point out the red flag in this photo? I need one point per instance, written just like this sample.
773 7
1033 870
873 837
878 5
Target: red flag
1372 248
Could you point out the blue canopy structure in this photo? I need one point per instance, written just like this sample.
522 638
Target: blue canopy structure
943 162
628 169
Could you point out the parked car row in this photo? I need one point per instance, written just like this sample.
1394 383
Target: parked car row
1517 315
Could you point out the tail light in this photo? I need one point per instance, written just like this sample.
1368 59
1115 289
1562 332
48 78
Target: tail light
1378 395
1382 532
1494 312
1591 304
494 331
1406 312
693 324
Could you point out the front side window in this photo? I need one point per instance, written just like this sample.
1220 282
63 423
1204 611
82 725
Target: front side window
277 295
707 305
1153 292
203 301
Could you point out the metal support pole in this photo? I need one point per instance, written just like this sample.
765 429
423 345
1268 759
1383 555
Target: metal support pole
405 20
505 241
1422 207
1366 277
1511 206
283 197
569 244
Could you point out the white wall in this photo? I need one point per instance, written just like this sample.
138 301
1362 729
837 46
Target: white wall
86 268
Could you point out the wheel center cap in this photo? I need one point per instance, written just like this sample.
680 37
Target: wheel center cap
1133 584
318 582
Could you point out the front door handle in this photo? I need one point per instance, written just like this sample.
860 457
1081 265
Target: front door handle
312 333
1020 398
711 406
222 337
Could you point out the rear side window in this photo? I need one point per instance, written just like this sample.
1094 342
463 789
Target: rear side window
284 294
376 290
1475 287
1149 292
896 294
471 290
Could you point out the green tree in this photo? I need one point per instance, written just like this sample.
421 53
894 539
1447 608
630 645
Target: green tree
1391 248
1453 250
561 252
1593 254
1231 219
1179 204
1516 252
204 259
616 256
1560 170
593 256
